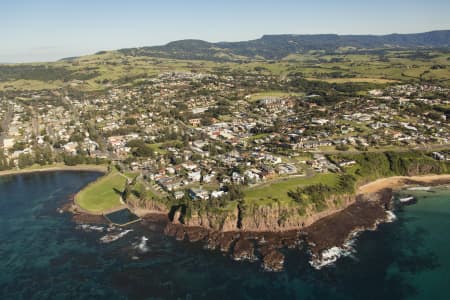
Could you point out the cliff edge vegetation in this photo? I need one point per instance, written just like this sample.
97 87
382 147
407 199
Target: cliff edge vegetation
299 202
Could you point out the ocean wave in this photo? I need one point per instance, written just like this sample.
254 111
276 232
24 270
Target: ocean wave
330 256
390 216
419 188
142 246
111 237
90 228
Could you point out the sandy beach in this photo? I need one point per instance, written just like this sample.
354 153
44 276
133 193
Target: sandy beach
398 182
96 168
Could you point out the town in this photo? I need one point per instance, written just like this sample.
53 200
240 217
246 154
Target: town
197 134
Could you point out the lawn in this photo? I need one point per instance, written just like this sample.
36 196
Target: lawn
262 95
278 189
355 79
156 147
103 194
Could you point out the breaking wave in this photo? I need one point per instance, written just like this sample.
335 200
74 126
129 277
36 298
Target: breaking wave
419 188
142 246
330 256
390 216
90 228
111 237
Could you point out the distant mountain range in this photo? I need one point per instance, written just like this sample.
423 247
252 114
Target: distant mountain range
274 47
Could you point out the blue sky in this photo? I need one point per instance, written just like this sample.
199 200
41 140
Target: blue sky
41 30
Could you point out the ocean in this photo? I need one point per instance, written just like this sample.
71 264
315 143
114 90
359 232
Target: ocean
44 255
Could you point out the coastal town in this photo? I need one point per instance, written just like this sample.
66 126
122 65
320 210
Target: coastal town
225 150
196 134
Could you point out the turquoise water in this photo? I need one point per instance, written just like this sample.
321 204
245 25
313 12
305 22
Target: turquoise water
44 255
429 219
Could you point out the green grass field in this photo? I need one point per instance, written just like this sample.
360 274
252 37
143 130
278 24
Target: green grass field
103 194
262 95
278 190
115 67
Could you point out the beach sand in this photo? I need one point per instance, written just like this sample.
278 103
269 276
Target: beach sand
398 182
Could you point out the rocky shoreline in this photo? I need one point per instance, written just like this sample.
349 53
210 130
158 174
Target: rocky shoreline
331 231
337 230
325 238
240 245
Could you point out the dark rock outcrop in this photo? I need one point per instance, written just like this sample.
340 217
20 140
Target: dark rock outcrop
244 250
334 230
273 261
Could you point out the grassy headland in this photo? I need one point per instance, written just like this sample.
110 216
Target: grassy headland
103 194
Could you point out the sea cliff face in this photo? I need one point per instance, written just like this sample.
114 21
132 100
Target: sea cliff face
149 205
220 221
260 233
281 218
273 218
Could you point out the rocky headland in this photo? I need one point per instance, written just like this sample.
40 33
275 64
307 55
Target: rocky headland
261 236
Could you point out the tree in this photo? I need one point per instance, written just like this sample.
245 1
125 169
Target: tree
130 121
25 160
140 148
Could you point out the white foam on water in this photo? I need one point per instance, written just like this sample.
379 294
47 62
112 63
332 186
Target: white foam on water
111 237
406 199
142 246
419 188
330 256
90 228
390 216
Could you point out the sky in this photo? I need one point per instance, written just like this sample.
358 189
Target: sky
47 30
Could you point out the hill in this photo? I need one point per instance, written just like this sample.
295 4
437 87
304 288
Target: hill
276 47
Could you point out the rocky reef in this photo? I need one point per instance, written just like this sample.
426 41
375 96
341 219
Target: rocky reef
335 230
240 245
261 237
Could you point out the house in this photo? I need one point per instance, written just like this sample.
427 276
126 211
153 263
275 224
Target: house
208 178
198 194
438 156
217 194
169 183
195 176
8 143
190 166
319 121
195 122
347 163
71 148
251 176
178 195
237 178
286 169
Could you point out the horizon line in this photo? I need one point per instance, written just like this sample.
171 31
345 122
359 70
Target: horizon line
94 52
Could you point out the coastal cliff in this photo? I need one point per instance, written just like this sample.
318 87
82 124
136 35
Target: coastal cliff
137 204
279 217
273 217
260 232
225 220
